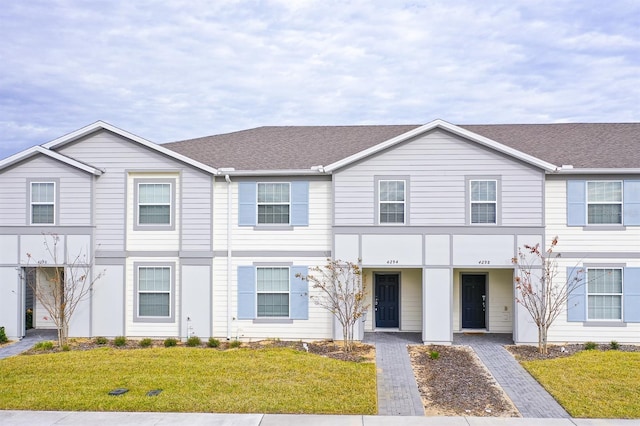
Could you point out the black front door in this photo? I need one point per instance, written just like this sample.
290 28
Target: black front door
386 300
473 301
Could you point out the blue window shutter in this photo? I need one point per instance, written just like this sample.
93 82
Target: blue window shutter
300 203
631 294
246 292
577 300
299 295
246 203
631 206
576 203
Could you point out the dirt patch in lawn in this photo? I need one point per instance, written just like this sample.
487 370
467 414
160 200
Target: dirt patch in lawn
456 383
530 353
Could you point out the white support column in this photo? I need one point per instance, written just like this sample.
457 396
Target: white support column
437 306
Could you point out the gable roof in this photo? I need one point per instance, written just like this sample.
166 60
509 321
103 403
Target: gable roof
583 145
101 125
38 150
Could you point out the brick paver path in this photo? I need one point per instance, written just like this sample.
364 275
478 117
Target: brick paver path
32 337
526 393
398 393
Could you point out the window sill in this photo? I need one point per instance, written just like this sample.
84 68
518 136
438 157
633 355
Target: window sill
154 319
273 228
272 321
613 227
604 324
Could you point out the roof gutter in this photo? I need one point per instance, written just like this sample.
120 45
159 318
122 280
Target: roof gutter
314 171
594 171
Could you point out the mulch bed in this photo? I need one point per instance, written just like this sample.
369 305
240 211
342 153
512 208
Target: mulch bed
457 383
530 353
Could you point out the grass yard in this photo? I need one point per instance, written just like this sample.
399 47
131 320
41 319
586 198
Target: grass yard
275 380
603 384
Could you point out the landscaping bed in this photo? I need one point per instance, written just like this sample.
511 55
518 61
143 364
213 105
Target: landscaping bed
455 383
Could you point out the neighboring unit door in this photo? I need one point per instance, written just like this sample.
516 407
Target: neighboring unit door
386 300
473 301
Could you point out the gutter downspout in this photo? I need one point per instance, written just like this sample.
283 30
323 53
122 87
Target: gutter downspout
229 284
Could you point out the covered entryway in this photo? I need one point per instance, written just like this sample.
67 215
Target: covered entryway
386 300
474 301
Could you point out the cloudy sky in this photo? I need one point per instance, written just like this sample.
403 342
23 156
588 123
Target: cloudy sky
171 70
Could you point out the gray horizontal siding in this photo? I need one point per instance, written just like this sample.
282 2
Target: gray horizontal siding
117 156
437 164
74 203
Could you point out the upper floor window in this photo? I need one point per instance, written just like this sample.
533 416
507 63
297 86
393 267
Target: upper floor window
154 204
604 202
43 201
484 201
274 203
392 197
272 287
604 294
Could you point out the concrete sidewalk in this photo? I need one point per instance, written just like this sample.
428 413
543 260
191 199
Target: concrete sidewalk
58 418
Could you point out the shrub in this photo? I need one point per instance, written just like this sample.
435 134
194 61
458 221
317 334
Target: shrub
120 341
145 343
28 317
235 344
434 354
101 340
170 342
194 341
614 345
213 343
66 348
3 336
46 345
590 346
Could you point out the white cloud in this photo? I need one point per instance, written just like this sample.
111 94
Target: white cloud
179 69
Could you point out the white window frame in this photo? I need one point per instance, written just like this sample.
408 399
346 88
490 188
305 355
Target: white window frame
403 202
472 202
621 203
170 204
169 292
40 203
280 203
288 292
620 294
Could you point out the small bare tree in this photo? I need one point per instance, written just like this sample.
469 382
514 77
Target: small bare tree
343 294
538 289
61 284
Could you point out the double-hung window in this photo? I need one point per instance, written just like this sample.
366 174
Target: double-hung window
604 202
154 204
272 287
154 291
274 203
392 197
604 294
484 201
43 199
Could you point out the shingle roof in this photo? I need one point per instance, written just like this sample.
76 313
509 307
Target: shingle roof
584 145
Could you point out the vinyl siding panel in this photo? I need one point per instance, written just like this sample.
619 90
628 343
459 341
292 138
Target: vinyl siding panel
196 208
612 239
73 206
118 156
318 326
314 237
437 164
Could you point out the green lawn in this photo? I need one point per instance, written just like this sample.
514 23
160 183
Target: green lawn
593 383
275 380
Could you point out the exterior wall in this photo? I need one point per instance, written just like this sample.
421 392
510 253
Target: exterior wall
589 245
107 302
500 297
437 164
11 300
73 206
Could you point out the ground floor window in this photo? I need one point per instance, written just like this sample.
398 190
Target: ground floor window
604 293
273 292
154 291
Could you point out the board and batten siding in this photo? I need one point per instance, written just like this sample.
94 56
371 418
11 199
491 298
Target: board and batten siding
437 164
73 207
314 237
117 156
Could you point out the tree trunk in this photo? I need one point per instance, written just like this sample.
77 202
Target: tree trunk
542 340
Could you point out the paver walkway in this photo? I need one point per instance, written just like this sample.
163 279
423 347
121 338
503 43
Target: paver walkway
398 393
33 336
531 399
